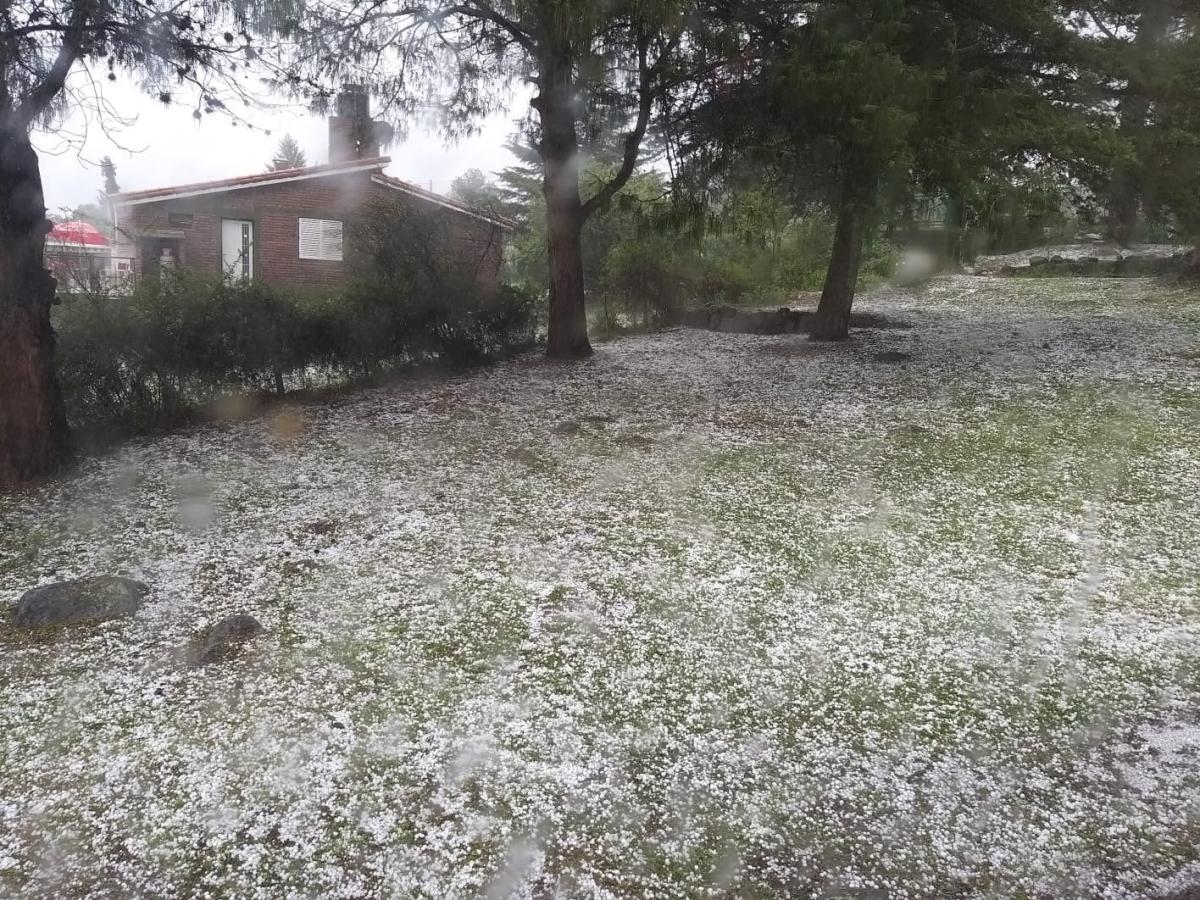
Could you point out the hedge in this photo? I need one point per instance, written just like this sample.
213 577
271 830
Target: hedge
145 361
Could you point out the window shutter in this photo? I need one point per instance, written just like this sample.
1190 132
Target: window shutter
321 239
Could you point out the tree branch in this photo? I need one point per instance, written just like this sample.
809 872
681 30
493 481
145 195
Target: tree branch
633 140
488 14
40 97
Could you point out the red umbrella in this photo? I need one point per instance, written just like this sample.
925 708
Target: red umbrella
78 233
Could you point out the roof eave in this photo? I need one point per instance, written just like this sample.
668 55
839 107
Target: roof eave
134 198
397 184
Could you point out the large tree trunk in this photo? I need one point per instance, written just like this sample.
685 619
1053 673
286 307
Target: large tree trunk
832 321
559 150
33 425
1127 188
1191 273
956 226
1124 193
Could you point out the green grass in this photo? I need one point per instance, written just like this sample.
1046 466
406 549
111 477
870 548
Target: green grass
790 623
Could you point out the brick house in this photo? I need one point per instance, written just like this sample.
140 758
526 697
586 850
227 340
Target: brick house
296 227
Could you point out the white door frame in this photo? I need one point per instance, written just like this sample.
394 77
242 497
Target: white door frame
238 266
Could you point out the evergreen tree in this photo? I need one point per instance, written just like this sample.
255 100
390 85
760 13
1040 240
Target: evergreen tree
1166 145
40 42
288 155
474 188
857 104
1016 117
108 169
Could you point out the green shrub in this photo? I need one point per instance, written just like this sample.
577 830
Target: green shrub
722 281
145 361
880 259
645 278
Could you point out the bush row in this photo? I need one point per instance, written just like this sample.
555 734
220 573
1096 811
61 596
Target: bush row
144 361
651 279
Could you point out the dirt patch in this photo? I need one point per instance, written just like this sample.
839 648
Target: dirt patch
522 455
637 441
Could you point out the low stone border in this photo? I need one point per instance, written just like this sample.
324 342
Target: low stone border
1098 267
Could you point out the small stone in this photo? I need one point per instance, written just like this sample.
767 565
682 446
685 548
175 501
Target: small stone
223 639
319 527
566 428
1038 260
95 599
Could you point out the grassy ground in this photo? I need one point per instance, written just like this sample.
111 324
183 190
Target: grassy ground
776 619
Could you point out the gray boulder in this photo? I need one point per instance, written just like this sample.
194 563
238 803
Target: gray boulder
95 599
223 639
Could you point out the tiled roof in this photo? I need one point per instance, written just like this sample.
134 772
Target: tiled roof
417 191
281 175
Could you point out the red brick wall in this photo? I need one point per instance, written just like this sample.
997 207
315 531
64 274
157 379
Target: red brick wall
276 209
473 246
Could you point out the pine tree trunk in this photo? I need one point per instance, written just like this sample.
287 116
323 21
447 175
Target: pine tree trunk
955 228
1127 185
1191 273
832 320
1124 191
33 424
559 150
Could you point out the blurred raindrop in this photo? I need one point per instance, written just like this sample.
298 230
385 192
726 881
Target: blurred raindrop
287 424
196 513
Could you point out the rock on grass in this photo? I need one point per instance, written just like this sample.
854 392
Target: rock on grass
94 599
223 639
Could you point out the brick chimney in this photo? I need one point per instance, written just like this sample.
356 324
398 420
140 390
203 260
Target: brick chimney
352 134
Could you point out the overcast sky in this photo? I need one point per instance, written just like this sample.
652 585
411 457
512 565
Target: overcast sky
157 146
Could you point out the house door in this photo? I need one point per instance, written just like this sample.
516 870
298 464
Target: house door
237 249
160 256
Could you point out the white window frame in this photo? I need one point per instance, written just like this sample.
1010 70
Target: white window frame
321 239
